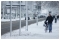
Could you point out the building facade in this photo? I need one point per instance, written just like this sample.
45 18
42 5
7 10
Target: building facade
5 9
33 7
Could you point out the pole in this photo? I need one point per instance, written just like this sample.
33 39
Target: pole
20 20
32 8
37 18
10 18
3 3
26 18
3 12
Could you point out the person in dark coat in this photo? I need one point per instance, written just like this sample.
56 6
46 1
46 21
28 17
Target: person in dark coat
57 16
50 20
55 19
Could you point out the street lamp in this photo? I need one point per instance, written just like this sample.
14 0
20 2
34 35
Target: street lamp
26 16
10 18
20 19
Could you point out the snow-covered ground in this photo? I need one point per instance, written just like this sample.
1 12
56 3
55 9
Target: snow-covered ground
34 32
5 20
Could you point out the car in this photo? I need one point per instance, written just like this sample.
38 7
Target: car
42 16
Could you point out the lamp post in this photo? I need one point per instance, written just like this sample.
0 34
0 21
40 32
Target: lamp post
26 17
10 18
20 19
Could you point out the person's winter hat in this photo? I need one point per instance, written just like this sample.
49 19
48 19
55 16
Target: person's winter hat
49 12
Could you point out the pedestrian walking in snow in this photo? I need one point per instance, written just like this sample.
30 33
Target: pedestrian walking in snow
50 20
55 19
58 17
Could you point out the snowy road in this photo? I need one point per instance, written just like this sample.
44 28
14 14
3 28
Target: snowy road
5 26
34 32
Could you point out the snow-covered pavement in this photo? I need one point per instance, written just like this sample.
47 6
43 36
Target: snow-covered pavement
34 32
